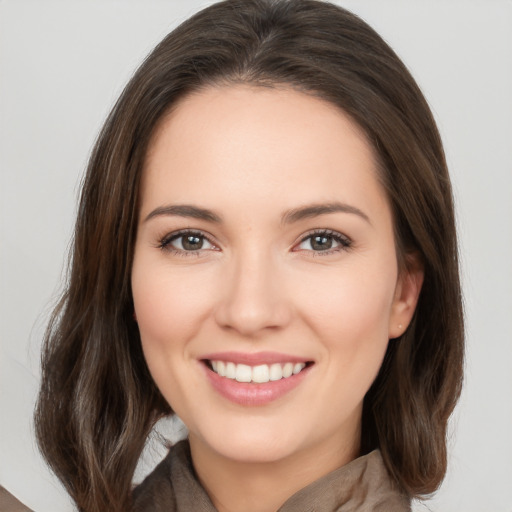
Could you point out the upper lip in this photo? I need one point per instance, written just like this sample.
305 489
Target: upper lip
255 358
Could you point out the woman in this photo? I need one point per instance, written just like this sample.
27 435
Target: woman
265 245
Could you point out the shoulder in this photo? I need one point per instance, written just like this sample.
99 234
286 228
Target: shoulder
363 485
172 486
156 492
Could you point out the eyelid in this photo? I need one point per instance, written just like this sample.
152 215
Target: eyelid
344 241
164 242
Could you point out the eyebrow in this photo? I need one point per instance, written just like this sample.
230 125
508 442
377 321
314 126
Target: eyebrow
289 217
185 210
314 210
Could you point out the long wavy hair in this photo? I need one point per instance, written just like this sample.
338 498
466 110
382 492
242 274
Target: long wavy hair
98 402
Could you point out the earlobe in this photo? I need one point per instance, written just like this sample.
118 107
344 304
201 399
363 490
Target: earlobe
407 293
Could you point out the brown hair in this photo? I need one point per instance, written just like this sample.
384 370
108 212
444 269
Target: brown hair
97 402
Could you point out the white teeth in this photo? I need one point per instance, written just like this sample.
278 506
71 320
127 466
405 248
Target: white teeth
297 368
243 373
276 372
261 373
231 370
258 374
287 370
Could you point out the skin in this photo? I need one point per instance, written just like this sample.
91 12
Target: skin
252 155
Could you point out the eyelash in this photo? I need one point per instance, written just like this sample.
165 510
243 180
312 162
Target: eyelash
344 242
164 243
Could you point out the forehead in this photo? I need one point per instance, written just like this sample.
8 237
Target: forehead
266 144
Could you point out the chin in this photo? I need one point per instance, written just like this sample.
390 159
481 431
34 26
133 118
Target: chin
261 444
258 451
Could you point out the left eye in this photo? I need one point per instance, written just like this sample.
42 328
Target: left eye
187 242
323 242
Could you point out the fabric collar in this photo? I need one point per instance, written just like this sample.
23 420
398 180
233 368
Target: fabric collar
363 485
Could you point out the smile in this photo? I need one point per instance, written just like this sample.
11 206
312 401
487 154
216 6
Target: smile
260 374
254 379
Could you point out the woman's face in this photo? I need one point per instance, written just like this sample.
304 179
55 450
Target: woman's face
265 277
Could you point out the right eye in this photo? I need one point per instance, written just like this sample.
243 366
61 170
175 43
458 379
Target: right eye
186 243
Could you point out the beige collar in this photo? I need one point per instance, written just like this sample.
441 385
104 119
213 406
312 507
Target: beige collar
363 485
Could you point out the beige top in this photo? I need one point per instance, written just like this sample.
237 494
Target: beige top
363 485
8 503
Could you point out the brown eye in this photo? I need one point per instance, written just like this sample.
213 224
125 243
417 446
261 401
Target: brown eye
324 241
186 241
321 243
191 242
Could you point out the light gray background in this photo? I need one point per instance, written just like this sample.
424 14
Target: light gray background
63 63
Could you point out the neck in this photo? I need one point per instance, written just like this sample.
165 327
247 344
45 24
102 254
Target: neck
234 485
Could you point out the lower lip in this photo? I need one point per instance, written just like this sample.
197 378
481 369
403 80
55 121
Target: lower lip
252 394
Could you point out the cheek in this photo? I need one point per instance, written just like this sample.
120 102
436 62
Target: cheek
350 315
351 323
353 300
167 307
168 310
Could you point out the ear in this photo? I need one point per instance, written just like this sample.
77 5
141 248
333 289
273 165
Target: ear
407 292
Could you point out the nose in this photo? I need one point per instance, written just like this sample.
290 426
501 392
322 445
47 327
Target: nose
254 297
